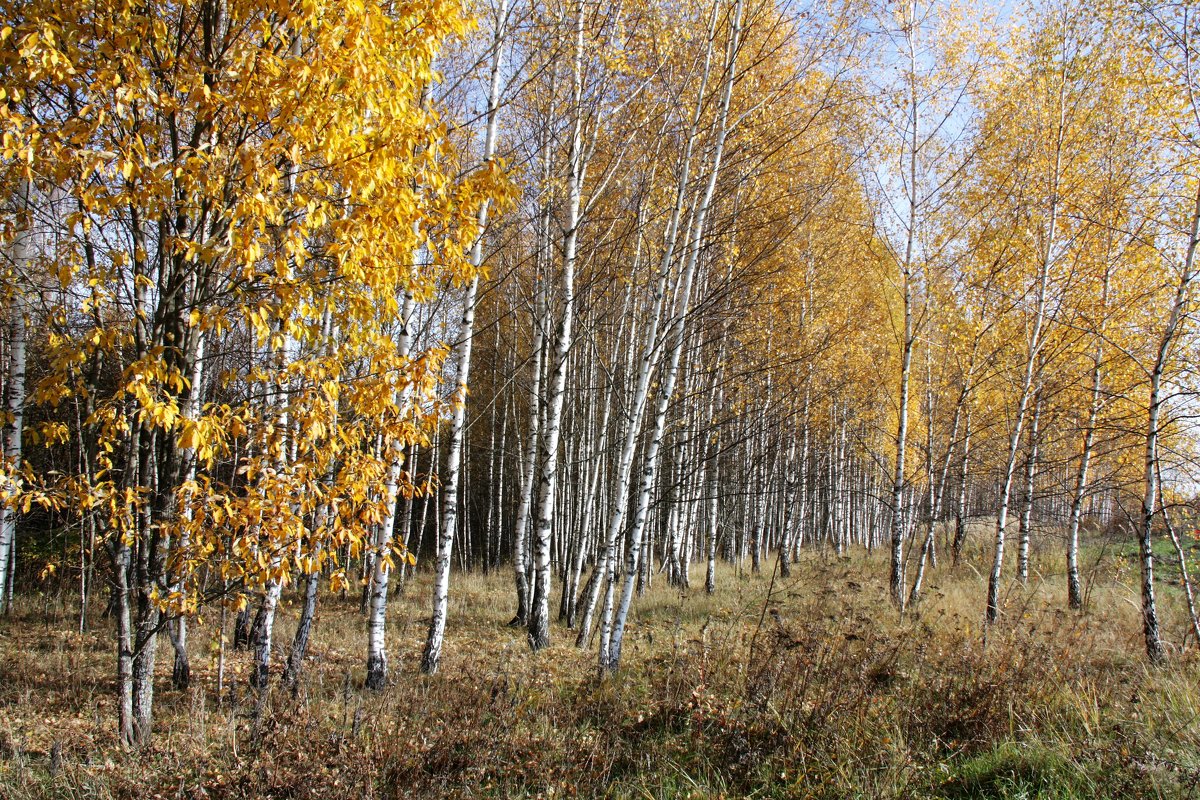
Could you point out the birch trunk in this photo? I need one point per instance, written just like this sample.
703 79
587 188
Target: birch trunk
21 253
1074 585
937 497
960 507
529 467
181 670
1150 488
992 612
385 533
667 388
1027 501
539 612
264 623
650 344
441 585
1185 578
126 730
898 581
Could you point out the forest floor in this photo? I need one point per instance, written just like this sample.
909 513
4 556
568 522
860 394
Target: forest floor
807 687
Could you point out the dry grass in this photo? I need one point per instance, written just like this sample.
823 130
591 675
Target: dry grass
832 695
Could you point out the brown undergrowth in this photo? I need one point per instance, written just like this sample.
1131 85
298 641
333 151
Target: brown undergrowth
810 687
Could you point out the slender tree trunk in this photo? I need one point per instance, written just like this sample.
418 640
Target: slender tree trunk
667 388
1074 584
1179 307
21 253
441 586
148 568
1027 500
126 730
539 612
308 614
960 507
262 634
898 581
530 465
624 468
181 670
992 612
264 628
432 654
1185 578
385 532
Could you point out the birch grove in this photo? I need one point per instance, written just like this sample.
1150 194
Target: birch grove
598 296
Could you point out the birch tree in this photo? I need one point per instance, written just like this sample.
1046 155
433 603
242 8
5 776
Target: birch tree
462 358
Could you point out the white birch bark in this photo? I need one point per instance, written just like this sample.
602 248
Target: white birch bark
20 253
539 611
650 345
898 581
1150 488
1031 461
667 389
1080 490
960 507
528 467
992 612
264 623
441 585
937 497
181 670
386 531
